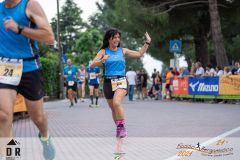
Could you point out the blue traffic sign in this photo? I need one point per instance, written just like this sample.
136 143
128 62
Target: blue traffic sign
175 46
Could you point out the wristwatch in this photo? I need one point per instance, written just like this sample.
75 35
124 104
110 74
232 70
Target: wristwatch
20 29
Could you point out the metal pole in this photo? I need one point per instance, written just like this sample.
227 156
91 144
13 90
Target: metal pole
61 93
175 59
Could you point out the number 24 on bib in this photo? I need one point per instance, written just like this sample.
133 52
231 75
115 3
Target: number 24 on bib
11 71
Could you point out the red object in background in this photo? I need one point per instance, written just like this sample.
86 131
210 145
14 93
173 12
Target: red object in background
180 86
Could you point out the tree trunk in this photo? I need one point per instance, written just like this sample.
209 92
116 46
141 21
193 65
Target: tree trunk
217 37
201 46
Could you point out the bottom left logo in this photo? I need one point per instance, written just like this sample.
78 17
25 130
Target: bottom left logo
12 150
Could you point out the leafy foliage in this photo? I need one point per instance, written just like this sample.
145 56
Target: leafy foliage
87 45
188 20
50 69
70 24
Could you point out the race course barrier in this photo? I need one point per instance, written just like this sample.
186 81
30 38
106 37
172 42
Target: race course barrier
224 87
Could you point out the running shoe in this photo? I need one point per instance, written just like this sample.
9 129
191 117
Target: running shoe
118 156
97 105
71 105
121 132
75 99
48 148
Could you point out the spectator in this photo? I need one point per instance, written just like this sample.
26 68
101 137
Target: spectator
235 69
219 71
157 86
175 71
154 74
139 84
169 75
210 71
184 72
227 71
193 69
131 78
144 78
199 69
238 71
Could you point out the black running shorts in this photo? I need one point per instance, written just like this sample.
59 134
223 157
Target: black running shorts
96 86
73 87
30 86
107 88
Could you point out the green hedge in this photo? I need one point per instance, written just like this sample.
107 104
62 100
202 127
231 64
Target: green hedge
50 67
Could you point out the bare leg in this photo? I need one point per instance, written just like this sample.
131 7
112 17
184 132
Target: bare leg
38 116
91 88
70 95
83 90
96 95
110 104
7 101
117 103
80 90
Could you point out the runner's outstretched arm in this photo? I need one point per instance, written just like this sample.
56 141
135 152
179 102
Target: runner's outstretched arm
99 59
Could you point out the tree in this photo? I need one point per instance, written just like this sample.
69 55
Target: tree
98 20
188 20
87 45
219 49
70 24
136 17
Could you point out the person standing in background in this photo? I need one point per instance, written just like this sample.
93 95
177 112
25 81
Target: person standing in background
131 78
144 78
199 70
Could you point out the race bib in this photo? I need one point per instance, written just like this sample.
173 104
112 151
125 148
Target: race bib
11 71
70 83
119 83
92 75
69 72
82 78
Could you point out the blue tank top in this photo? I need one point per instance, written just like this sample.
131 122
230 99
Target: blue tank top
115 64
93 78
13 45
70 72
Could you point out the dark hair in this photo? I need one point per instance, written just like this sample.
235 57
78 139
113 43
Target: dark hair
209 66
109 34
219 67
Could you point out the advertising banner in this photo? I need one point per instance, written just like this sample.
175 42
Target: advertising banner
180 86
229 85
203 86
